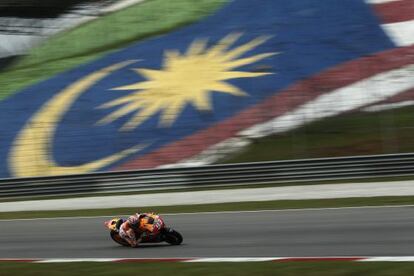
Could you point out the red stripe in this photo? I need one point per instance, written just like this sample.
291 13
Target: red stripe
276 105
396 11
18 260
320 259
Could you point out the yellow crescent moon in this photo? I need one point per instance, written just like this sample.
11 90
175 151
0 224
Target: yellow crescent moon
31 154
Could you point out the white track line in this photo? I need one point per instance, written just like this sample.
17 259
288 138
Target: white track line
231 260
388 259
220 212
216 260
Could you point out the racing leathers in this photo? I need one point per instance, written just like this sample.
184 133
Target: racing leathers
130 230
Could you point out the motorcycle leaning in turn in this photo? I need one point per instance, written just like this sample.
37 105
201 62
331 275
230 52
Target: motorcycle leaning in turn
160 232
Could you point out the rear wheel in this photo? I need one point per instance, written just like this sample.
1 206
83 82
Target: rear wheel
172 236
115 236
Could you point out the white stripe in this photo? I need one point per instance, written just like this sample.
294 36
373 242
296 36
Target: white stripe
379 1
361 93
220 212
388 259
402 33
120 5
233 260
223 259
387 106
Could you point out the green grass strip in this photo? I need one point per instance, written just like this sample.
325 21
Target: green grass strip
182 269
98 37
238 206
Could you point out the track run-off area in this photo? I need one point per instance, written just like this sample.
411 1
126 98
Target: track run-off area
357 231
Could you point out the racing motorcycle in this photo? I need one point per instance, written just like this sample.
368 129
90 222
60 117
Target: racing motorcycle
155 231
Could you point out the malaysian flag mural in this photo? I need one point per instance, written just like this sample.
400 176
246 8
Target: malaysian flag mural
251 69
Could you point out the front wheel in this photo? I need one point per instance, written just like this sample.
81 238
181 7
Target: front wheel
117 238
172 237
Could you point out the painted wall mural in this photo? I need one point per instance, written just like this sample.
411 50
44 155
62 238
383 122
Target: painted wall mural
169 98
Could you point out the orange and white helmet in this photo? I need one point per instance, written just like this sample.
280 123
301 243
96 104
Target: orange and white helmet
134 220
114 224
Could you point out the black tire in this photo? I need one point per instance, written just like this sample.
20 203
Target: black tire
172 237
115 236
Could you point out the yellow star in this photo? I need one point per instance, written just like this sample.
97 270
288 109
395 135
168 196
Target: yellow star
186 78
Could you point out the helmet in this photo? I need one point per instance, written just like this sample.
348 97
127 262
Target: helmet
114 224
134 221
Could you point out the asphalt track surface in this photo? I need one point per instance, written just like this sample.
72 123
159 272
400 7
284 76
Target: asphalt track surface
324 232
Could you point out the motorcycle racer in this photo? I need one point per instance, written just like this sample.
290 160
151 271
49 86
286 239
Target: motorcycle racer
142 228
130 230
